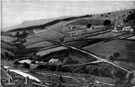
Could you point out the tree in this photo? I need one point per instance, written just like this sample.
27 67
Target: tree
24 34
131 17
26 65
130 12
116 55
102 15
89 25
16 63
17 34
107 23
21 37
109 13
40 67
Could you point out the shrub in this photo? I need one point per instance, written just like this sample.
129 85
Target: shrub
33 62
107 23
16 63
130 12
52 67
102 15
123 15
40 67
112 58
116 54
65 69
26 65
109 13
130 17
89 25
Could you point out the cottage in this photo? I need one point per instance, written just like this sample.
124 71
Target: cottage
128 29
55 61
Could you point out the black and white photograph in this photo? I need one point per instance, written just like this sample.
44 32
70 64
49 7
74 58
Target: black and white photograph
67 43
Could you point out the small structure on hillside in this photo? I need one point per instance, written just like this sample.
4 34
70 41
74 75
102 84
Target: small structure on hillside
38 30
128 29
90 27
55 61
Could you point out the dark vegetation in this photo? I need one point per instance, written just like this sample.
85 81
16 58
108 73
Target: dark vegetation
89 25
123 15
107 23
21 36
14 49
130 17
16 63
26 65
85 22
48 24
102 15
117 57
109 13
98 69
70 56
130 20
7 50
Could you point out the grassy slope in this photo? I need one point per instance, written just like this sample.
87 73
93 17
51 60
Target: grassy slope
53 30
126 48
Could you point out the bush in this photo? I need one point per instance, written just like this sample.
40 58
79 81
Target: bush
131 17
102 15
116 54
33 62
65 69
26 65
112 58
123 15
130 12
52 67
109 13
107 23
16 63
89 25
40 67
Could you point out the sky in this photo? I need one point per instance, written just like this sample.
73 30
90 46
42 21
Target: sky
16 11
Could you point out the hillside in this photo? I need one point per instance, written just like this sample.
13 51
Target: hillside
28 23
43 23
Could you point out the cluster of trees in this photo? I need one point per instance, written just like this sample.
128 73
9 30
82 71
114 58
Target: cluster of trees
15 48
105 15
107 23
102 70
21 36
130 17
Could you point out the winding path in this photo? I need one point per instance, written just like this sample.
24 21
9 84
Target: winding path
99 59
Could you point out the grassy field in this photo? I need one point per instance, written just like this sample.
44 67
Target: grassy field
125 48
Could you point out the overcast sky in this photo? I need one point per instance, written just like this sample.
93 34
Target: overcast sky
15 12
